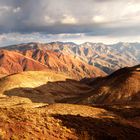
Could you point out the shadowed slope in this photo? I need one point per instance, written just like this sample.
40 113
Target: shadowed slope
122 86
29 79
41 86
97 128
52 92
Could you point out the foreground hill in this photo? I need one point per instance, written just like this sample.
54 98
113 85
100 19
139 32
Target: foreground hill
34 60
65 121
106 57
29 79
121 87
41 86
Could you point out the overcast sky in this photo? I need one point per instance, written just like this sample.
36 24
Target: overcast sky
106 21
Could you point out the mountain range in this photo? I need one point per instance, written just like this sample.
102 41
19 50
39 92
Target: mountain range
35 60
106 57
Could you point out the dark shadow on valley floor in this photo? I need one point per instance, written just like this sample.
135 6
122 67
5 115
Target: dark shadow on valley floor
52 92
99 128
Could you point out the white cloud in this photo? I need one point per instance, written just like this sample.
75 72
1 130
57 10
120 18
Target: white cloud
17 38
49 20
4 8
98 19
68 20
117 18
16 10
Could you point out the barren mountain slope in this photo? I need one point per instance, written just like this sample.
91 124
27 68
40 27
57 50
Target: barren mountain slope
14 62
29 79
122 86
64 63
41 87
106 57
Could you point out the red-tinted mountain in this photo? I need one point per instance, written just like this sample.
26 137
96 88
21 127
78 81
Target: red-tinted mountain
13 62
64 63
109 58
36 59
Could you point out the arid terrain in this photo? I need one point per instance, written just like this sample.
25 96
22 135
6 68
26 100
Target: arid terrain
66 121
35 60
51 95
108 58
47 105
69 69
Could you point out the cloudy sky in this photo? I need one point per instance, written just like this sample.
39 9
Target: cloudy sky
106 21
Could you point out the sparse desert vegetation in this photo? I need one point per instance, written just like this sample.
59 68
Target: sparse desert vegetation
64 121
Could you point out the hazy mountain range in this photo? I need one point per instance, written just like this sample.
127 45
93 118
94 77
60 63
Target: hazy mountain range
106 57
